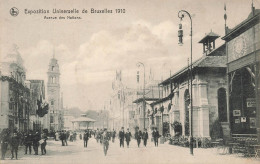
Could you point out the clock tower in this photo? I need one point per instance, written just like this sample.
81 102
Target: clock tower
53 94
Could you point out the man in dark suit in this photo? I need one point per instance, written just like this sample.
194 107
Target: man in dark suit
4 140
14 145
145 137
36 139
85 138
121 137
156 136
28 142
113 135
128 136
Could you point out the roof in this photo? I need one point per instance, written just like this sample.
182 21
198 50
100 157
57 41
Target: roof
204 61
83 119
243 26
146 99
210 36
163 99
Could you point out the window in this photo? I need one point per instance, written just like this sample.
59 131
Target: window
52 102
52 68
51 119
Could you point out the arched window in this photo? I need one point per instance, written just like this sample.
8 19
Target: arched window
222 105
54 79
52 102
52 68
187 118
51 119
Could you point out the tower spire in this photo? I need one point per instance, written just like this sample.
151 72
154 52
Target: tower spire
225 18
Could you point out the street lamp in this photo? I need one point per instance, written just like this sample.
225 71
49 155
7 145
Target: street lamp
138 65
181 14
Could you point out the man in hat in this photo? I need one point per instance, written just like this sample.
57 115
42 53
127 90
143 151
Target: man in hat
4 140
128 136
36 139
113 135
156 136
28 142
105 141
145 137
85 138
14 145
121 137
43 143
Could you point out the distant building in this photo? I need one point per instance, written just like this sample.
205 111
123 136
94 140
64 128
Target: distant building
54 97
143 102
14 94
37 89
67 117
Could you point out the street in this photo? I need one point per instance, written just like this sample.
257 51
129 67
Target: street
165 153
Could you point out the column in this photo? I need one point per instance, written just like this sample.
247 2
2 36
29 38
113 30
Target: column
204 109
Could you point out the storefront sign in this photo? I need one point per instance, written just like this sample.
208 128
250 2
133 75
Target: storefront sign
252 122
243 119
236 113
250 102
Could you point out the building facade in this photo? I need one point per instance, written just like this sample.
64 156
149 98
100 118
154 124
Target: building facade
243 55
209 93
14 94
37 89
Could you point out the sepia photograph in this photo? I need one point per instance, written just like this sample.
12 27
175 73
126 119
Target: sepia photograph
129 81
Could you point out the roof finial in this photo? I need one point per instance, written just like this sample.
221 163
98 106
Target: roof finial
225 18
253 8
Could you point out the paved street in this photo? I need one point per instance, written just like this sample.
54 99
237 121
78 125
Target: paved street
165 153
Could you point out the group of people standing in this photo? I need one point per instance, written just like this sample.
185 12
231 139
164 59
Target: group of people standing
16 139
139 135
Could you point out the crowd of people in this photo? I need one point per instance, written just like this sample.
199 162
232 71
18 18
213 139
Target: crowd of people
15 139
36 139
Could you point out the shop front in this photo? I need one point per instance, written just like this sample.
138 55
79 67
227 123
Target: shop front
243 54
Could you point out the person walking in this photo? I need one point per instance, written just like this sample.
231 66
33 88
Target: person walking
121 137
28 142
97 135
113 135
65 137
138 137
4 140
128 136
80 136
14 145
156 136
43 144
145 137
105 137
36 139
57 136
85 138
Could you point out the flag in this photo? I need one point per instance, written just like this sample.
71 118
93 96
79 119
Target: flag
43 108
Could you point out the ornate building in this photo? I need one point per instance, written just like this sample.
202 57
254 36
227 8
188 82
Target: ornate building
14 95
53 94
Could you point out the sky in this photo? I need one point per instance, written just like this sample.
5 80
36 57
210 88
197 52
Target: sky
91 49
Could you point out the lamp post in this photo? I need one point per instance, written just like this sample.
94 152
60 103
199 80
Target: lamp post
138 65
181 14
